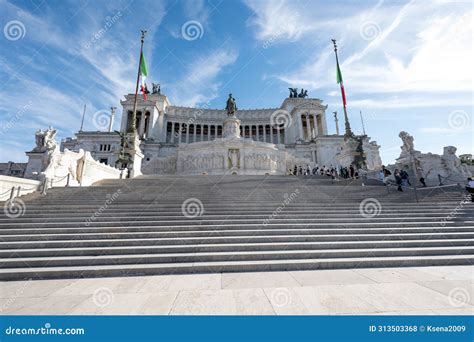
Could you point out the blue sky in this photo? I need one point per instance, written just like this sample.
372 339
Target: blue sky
407 65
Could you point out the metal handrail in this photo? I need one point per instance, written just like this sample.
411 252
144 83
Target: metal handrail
440 179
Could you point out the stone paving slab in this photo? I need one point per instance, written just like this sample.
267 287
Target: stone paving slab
444 290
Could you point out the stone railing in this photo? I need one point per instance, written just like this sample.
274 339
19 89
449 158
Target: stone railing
91 171
77 169
14 186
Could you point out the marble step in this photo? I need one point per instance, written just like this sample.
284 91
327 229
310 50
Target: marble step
26 243
231 230
328 222
178 194
154 232
226 213
217 203
230 266
178 215
225 247
229 256
230 212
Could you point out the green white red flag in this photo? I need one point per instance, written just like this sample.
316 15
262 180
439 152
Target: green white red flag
143 75
339 80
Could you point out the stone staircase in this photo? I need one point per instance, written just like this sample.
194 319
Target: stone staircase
171 224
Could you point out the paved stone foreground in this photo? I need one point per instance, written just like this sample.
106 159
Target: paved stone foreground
446 290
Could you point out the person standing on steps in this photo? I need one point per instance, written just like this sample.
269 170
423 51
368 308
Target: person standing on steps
422 181
398 180
386 174
351 170
405 178
470 187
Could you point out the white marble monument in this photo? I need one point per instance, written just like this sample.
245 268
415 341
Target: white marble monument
430 165
252 141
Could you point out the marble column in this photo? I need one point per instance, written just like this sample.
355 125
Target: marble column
172 132
300 127
278 135
271 134
180 127
187 133
141 129
194 133
308 128
202 132
319 128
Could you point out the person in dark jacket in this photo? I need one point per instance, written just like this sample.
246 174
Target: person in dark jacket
422 181
398 180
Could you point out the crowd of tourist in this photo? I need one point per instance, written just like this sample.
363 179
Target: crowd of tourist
331 171
401 176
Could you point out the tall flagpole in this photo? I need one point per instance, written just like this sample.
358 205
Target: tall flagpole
133 126
83 115
362 120
348 133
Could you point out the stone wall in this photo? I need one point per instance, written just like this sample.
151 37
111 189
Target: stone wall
91 171
26 186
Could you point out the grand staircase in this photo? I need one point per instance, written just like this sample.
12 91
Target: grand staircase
171 224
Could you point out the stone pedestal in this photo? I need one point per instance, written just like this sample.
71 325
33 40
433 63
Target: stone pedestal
231 156
37 163
231 128
133 149
352 153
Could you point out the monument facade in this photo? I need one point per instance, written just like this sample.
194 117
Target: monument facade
187 140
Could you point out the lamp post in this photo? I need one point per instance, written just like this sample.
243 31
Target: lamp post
112 114
337 122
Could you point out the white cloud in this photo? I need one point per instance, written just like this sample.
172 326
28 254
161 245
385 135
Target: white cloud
416 47
280 19
199 84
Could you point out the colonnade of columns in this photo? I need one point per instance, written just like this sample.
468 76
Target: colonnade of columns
179 132
310 126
